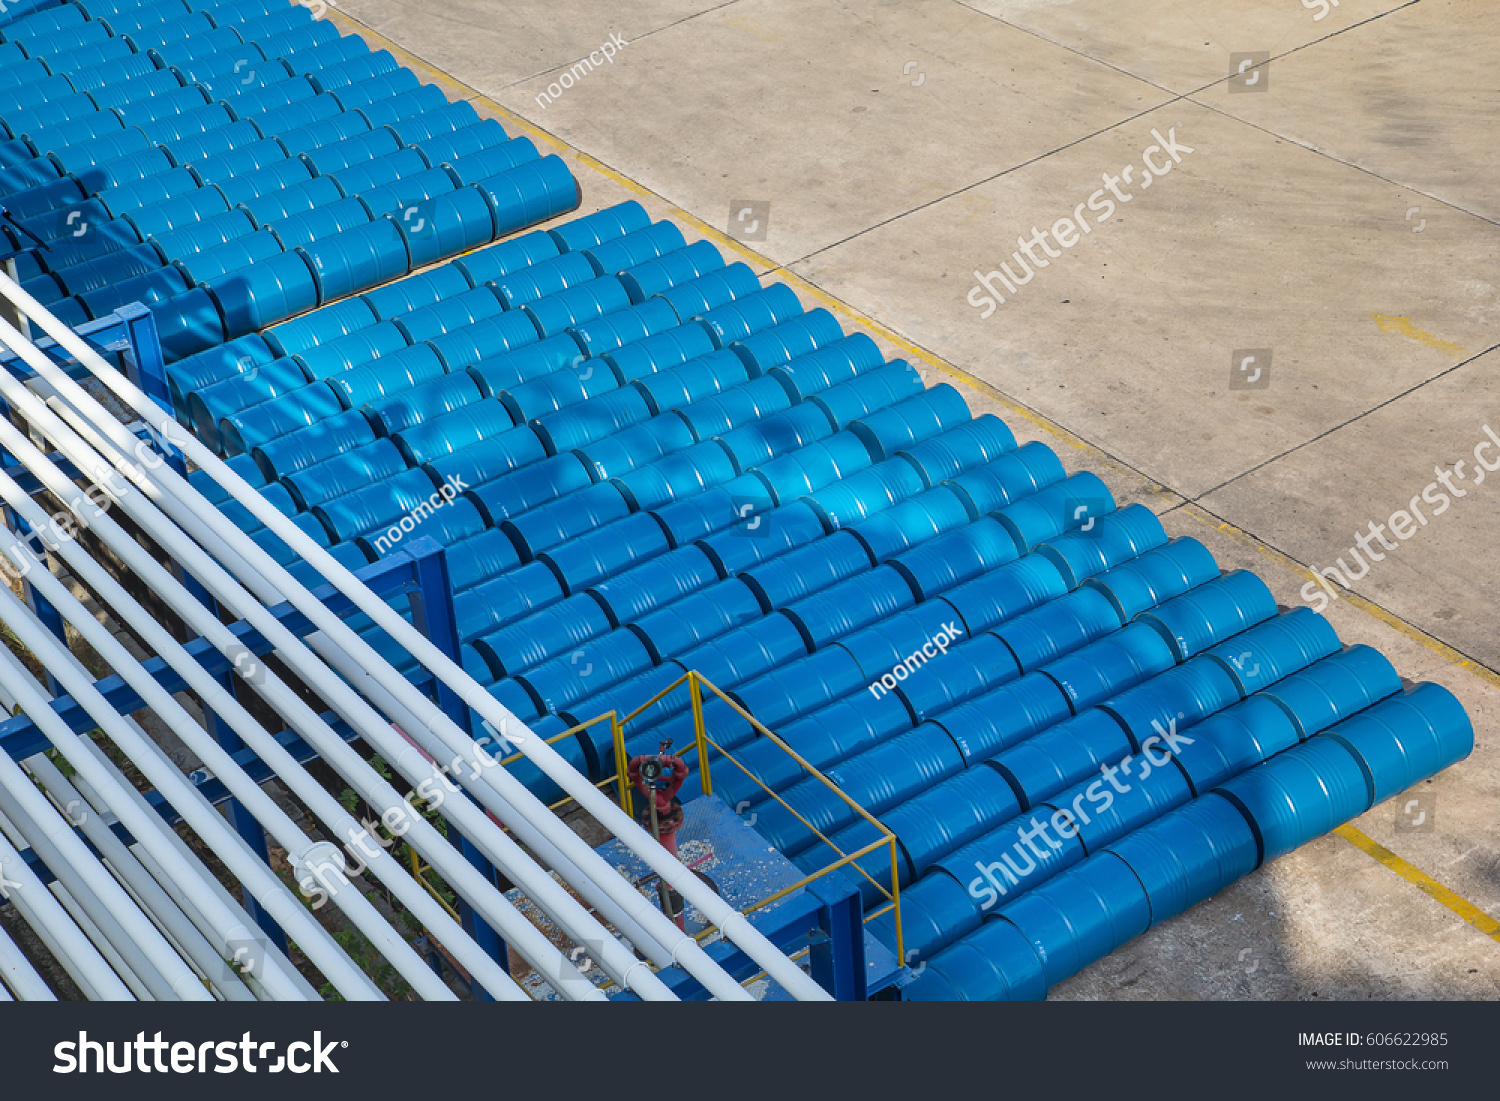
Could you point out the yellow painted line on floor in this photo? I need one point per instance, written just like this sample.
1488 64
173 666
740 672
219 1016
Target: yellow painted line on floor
1422 881
1389 323
1432 887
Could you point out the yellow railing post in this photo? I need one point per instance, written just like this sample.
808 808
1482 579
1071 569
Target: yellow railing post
627 804
700 740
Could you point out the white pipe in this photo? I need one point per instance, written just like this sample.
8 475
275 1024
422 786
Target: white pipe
184 903
221 701
265 809
731 923
122 930
528 940
17 973
138 989
545 891
147 830
67 943
148 893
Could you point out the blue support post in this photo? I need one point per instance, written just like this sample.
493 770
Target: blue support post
838 960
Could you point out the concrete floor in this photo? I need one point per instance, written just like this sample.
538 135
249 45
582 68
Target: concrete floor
1332 211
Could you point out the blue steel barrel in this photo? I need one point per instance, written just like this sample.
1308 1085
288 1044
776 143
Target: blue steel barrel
445 225
1280 646
360 67
518 491
1300 794
324 131
444 394
376 506
492 336
1076 502
359 149
262 181
671 269
1406 739
661 351
427 288
1335 688
230 256
187 323
654 581
458 310
190 223
591 667
799 336
763 536
1110 540
558 390
147 191
1100 815
1111 665
596 555
744 316
447 148
310 225
738 405
558 521
620 452
402 369
604 225
215 365
148 289
551 631
1193 622
693 380
849 605
1081 917
678 476
912 522
479 558
1057 627
594 420
932 912
956 556
258 383
526 284
911 421
505 599
1236 739
344 474
623 326
1151 713
313 444
880 646
494 262
1029 468
327 54
556 313
851 497
356 259
92 274
971 444
478 162
494 375
404 105
262 423
618 253
255 297
974 668
363 176
96 150
361 346
490 458
1189 854
999 865
769 437
803 570
1155 576
443 435
835 367
320 327
684 624
1063 754
530 193
712 289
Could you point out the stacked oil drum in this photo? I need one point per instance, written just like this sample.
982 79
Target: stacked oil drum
231 165
640 460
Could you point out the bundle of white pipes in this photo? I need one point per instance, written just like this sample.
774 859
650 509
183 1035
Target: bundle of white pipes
362 689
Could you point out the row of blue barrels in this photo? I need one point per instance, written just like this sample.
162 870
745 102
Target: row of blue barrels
729 651
199 161
1202 847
